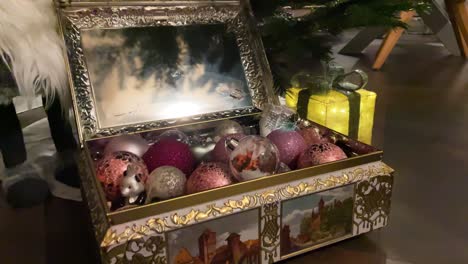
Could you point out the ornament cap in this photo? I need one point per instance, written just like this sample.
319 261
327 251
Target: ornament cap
231 143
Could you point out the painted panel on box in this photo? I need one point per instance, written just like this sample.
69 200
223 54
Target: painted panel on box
372 204
313 219
232 239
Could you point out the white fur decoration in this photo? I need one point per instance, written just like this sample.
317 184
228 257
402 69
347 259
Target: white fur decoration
32 48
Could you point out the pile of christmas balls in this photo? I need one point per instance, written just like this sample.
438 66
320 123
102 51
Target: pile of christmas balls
133 171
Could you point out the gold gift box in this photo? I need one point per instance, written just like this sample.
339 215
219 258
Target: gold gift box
332 110
257 221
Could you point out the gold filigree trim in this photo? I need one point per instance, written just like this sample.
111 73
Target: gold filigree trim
149 250
160 225
372 203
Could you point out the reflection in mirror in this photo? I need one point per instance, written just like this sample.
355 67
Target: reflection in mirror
155 73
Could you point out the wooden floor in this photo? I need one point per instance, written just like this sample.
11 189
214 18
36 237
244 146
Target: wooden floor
421 123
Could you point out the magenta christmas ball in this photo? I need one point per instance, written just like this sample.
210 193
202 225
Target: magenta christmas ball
320 153
254 157
208 176
290 145
110 171
129 143
170 152
220 152
311 135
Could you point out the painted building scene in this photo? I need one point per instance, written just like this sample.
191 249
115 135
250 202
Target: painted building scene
229 240
313 219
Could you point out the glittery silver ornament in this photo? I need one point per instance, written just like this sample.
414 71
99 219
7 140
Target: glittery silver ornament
165 182
227 127
201 151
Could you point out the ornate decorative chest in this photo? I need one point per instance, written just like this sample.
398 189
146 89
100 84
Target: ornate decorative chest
147 67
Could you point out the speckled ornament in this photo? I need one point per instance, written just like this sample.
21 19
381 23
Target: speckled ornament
320 153
208 176
290 145
311 135
165 182
110 171
129 143
254 157
170 152
220 152
227 127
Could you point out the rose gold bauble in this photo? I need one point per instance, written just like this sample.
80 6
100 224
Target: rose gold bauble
129 143
320 153
208 176
110 171
311 135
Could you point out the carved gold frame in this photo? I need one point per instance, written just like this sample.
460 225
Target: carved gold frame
236 14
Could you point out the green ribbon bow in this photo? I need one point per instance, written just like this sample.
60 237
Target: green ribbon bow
334 78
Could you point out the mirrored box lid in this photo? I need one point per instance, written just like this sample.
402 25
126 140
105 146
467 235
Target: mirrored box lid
142 65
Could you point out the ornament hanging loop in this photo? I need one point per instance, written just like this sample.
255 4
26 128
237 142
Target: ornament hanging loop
344 81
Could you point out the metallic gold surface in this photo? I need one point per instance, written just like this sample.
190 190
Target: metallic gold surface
270 231
372 203
142 250
176 220
94 202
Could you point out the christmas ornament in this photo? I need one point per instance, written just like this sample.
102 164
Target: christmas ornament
153 137
311 135
221 152
282 168
227 127
129 143
132 185
290 145
110 171
207 176
96 151
201 151
320 153
165 182
253 157
170 152
275 117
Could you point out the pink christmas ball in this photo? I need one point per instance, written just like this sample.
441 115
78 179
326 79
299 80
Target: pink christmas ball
208 176
129 143
220 153
290 145
170 152
110 171
320 153
311 135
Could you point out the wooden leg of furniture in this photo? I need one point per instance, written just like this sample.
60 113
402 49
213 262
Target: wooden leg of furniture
390 41
458 14
362 40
